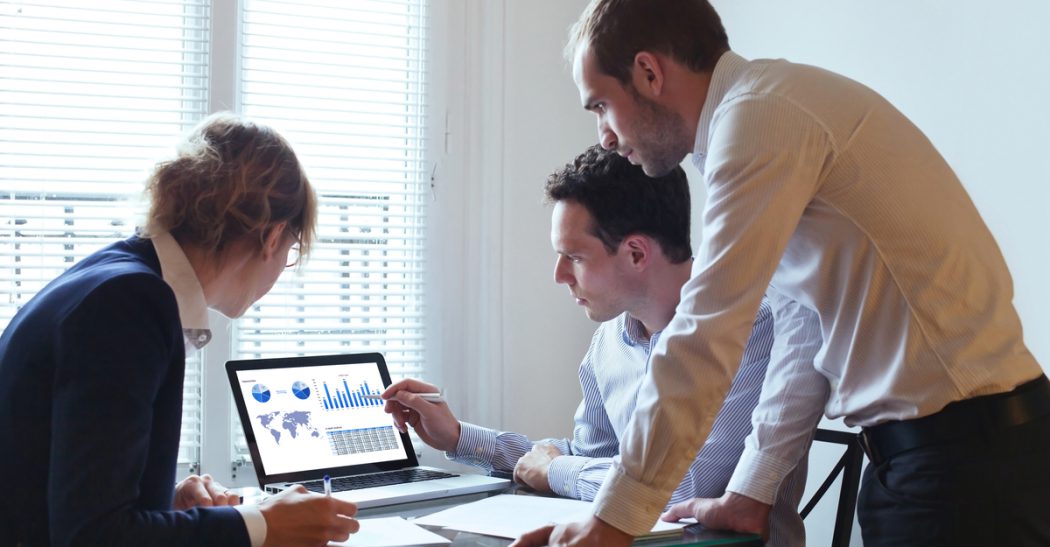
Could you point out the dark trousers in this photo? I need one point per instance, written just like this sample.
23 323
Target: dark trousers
988 489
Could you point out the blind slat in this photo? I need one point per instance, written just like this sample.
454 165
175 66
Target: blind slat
149 8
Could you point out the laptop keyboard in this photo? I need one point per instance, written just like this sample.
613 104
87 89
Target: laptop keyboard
378 479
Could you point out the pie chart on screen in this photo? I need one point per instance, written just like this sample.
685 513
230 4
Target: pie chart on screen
301 390
261 393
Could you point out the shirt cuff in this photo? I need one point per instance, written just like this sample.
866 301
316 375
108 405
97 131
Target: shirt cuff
563 473
758 476
627 504
255 522
477 445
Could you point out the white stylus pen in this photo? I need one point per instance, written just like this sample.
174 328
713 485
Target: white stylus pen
432 397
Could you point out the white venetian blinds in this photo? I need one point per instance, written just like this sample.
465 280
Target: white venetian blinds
91 95
346 83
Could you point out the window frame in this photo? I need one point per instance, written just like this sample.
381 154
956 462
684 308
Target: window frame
218 430
217 455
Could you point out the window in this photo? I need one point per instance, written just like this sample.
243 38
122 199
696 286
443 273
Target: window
92 94
344 82
88 105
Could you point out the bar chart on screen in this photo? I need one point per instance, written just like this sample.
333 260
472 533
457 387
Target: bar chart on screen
340 396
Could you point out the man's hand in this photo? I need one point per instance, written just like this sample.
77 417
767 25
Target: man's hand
531 469
432 421
297 518
732 511
202 491
590 533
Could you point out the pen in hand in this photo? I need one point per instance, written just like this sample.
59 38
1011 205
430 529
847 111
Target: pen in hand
432 397
327 485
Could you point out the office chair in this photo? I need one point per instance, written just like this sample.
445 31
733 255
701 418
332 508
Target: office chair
849 465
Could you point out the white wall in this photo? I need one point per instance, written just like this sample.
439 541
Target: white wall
508 336
974 76
545 128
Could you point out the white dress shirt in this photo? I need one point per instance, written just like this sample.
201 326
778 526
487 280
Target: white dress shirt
821 190
178 273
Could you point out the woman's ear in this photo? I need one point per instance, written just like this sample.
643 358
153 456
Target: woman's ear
274 239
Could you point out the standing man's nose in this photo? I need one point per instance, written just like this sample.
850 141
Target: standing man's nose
605 136
561 270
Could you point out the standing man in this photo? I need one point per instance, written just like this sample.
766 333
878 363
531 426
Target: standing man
622 241
820 189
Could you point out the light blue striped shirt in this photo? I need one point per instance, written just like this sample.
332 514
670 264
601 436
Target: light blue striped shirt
610 375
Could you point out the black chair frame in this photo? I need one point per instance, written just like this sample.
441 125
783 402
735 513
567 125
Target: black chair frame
849 465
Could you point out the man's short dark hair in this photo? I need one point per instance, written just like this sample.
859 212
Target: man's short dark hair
689 31
623 200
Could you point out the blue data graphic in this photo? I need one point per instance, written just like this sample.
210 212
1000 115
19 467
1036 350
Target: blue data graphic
261 393
301 390
338 399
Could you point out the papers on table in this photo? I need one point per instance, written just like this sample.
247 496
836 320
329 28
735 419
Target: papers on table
510 516
390 532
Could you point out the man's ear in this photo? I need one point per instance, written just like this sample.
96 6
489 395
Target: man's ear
647 74
639 249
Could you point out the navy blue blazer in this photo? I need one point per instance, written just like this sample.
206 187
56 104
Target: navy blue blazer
91 373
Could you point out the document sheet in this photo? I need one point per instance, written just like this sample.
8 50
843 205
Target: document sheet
390 532
510 516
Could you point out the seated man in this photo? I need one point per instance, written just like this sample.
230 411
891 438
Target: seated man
624 252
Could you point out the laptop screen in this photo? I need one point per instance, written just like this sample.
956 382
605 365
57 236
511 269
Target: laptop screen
307 414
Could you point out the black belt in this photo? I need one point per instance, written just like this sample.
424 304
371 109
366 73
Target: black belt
969 418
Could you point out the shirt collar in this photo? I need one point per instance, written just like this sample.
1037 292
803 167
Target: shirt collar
634 333
179 275
727 71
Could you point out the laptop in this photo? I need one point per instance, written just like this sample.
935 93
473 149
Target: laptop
305 417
